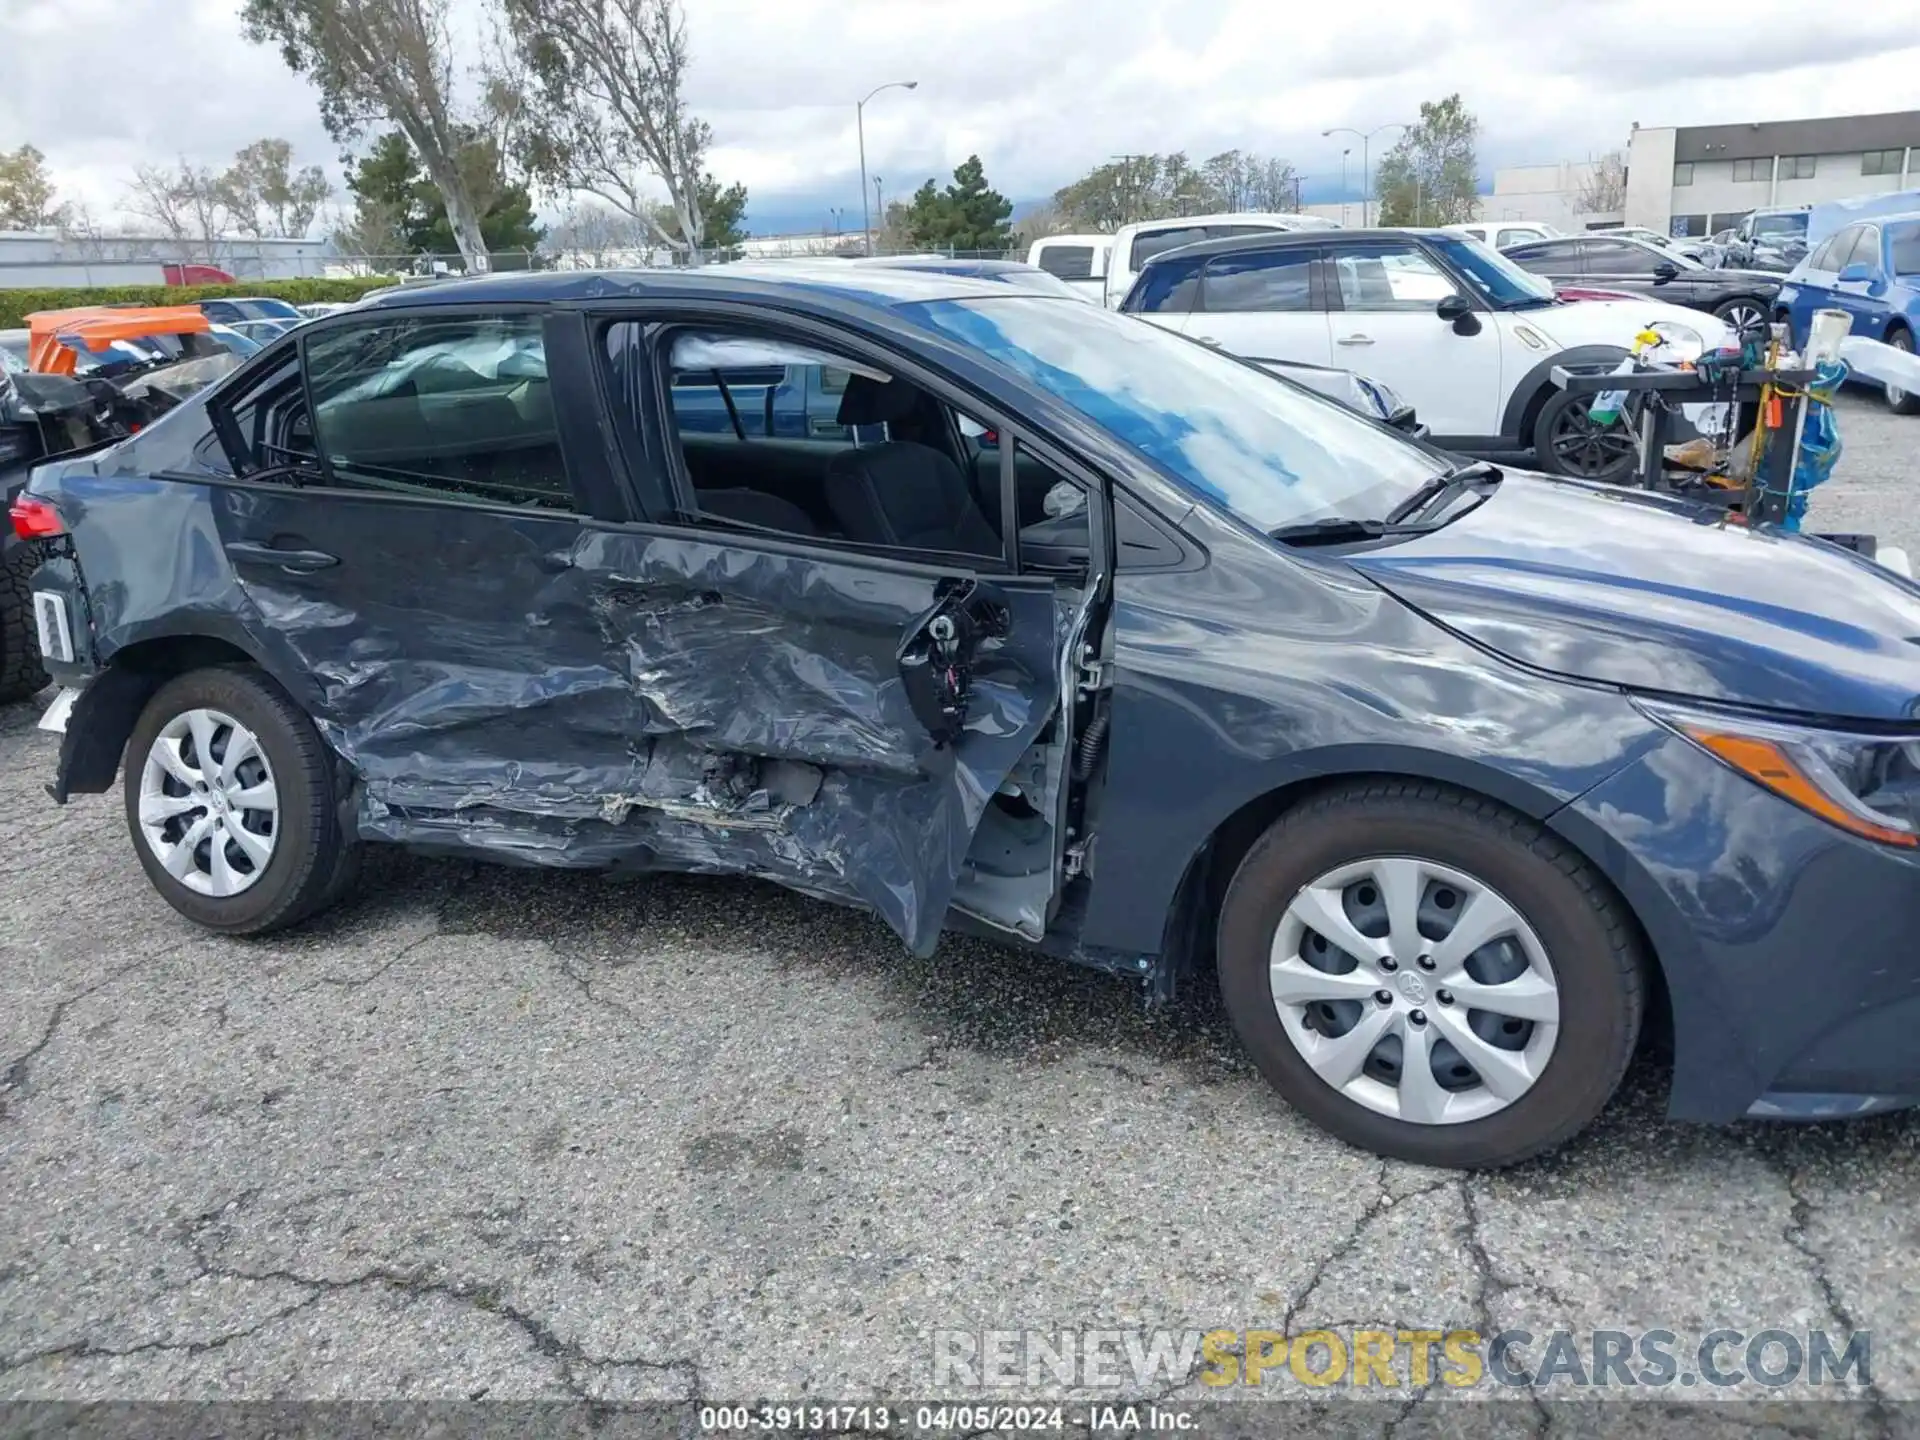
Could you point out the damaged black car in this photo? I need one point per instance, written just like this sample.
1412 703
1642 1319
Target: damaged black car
1002 613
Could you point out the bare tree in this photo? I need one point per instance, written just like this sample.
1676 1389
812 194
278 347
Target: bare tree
372 233
605 109
188 204
599 235
268 196
1605 188
391 58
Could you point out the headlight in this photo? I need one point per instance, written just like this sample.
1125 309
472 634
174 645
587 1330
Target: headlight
1384 397
1867 784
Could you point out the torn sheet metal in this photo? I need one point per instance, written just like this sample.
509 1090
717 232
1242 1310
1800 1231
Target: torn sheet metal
527 688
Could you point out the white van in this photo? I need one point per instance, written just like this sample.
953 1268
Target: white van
1080 260
1501 233
1134 245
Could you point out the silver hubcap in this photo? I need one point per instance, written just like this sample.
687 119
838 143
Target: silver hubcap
1895 395
208 807
1415 990
1739 317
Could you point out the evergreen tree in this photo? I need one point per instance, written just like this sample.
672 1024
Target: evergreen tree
967 215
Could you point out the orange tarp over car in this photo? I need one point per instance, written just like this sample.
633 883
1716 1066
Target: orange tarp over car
53 334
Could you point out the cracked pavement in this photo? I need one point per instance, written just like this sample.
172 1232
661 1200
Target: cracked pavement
510 1134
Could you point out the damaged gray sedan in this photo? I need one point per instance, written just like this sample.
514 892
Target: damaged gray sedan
1000 612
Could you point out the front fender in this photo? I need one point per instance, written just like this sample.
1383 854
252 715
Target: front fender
1514 421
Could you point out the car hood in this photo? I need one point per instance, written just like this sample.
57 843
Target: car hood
1634 590
1617 322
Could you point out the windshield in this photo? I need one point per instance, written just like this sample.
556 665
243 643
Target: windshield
1500 282
1780 227
266 309
1269 452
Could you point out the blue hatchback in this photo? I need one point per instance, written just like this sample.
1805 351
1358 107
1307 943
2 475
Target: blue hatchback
1871 270
1456 780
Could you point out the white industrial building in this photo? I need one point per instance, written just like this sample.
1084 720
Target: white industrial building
1696 179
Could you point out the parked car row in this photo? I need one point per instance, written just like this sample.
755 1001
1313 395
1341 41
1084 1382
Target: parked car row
1614 260
1457 779
1469 338
1871 270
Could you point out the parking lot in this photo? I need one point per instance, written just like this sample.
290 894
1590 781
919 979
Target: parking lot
515 1134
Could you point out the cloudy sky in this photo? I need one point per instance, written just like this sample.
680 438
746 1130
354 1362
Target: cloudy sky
1040 89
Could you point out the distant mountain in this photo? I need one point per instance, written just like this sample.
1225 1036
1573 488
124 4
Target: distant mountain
808 213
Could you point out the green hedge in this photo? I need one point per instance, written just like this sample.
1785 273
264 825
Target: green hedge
16 305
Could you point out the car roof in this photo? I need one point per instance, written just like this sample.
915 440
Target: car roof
1291 239
1901 217
742 280
1229 217
944 264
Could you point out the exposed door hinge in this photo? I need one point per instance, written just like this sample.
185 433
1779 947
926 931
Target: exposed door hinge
1094 672
1073 860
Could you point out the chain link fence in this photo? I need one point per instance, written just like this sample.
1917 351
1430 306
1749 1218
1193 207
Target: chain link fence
48 260
640 258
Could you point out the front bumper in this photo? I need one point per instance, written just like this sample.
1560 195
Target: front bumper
1790 949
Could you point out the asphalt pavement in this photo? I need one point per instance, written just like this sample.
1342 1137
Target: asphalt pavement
507 1134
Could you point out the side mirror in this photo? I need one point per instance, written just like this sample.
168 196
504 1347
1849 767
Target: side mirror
1664 271
1855 273
1457 311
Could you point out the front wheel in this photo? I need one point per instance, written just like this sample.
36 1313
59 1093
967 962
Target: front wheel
1568 441
229 799
1742 313
1428 975
1902 402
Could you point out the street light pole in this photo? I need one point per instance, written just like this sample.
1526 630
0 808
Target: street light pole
1343 183
860 126
1366 166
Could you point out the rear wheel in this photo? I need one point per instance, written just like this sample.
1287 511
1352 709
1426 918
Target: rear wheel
1902 402
1428 975
21 674
1568 441
229 799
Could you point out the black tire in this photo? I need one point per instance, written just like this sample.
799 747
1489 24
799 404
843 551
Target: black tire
1901 402
1562 421
1751 305
1588 936
21 673
312 862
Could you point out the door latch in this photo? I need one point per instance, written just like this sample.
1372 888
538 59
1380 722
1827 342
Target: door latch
936 659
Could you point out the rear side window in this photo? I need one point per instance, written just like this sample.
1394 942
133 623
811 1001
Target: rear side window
1274 280
1068 262
457 407
1150 243
1513 237
1620 257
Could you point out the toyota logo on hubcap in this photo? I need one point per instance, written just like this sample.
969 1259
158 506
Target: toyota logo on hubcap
1413 987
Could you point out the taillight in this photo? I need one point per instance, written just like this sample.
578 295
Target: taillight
35 519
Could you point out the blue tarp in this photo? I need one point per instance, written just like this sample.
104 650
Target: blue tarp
1832 215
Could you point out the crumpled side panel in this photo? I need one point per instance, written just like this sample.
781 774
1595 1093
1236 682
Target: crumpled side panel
527 687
